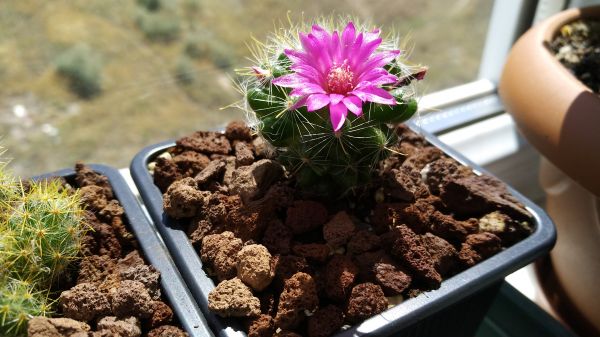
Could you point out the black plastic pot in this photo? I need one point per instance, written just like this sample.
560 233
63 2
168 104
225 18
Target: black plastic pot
153 249
455 309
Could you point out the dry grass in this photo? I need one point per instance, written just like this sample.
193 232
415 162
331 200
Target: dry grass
141 100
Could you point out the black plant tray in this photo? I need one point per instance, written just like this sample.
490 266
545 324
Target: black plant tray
153 249
455 309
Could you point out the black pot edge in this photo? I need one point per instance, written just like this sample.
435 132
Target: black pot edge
154 250
483 275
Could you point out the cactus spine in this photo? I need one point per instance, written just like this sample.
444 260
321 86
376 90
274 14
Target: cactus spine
323 160
41 232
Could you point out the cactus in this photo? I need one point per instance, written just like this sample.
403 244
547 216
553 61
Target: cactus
42 233
326 101
18 303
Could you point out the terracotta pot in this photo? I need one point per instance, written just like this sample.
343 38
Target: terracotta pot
560 116
556 113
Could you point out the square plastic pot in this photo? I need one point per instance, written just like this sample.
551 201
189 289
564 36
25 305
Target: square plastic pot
153 249
455 309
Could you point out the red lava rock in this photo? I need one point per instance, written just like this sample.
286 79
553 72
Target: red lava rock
479 247
238 130
366 300
161 314
131 298
167 331
451 229
183 199
479 195
409 248
124 236
85 176
284 333
213 172
263 326
105 242
190 163
95 268
84 302
262 148
299 294
232 298
405 184
147 275
366 263
268 302
198 229
254 266
391 278
248 223
383 217
442 170
165 173
424 156
286 266
305 215
251 182
205 142
112 210
111 326
340 274
243 154
219 251
444 255
56 327
338 230
363 241
326 321
93 197
277 237
315 252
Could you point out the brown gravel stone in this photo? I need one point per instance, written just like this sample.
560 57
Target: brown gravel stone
232 298
219 252
363 241
442 170
254 266
95 268
287 265
127 327
56 327
409 248
165 173
340 274
190 163
238 130
198 229
167 331
277 237
183 199
84 302
212 172
93 197
479 247
392 279
161 314
86 176
325 322
338 230
243 154
262 326
205 142
315 252
299 294
366 300
444 255
305 215
131 298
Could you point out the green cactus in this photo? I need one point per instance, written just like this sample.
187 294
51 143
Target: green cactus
41 233
323 160
18 303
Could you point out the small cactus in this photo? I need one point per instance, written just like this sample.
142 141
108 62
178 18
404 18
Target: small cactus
302 88
18 303
41 232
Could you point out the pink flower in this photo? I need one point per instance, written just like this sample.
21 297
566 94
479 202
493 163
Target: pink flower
339 71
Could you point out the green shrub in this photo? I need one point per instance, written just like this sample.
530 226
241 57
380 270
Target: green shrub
151 5
82 67
206 45
185 73
162 27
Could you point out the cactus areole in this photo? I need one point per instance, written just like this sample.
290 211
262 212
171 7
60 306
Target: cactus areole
303 87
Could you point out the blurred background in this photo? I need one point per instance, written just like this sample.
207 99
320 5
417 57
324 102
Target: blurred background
97 80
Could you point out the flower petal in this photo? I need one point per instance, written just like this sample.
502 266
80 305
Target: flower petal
337 115
300 102
377 76
289 81
317 101
354 104
348 35
377 61
374 94
336 98
307 89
